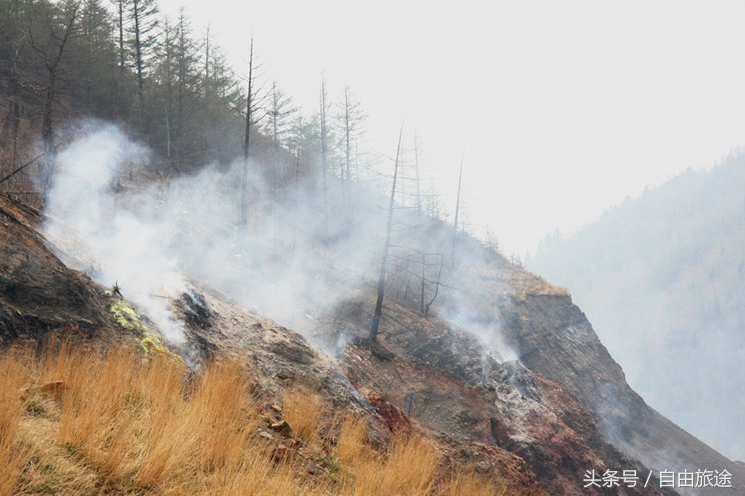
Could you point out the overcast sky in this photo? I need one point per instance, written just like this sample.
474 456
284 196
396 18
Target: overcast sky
564 108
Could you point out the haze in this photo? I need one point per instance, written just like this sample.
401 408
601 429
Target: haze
564 108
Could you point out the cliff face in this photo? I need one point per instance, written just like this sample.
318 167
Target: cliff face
557 341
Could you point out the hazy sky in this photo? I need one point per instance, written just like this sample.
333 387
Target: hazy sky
564 108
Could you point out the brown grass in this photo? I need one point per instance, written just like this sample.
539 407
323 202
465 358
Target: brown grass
13 457
351 446
408 470
127 425
302 409
474 483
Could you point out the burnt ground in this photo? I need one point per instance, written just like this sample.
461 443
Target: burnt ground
39 295
439 378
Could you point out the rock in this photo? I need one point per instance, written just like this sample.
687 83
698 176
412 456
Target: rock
281 427
266 435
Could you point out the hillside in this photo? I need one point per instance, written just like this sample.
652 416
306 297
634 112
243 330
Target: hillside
663 279
190 270
505 372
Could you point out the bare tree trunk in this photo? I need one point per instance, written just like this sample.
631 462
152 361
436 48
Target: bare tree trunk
437 287
324 155
424 279
247 140
207 63
347 130
384 263
275 139
138 49
457 209
416 171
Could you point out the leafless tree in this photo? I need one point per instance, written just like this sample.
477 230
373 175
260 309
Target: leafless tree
457 210
384 263
247 138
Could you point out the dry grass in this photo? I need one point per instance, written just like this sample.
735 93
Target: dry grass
124 424
351 446
13 457
474 483
302 408
410 469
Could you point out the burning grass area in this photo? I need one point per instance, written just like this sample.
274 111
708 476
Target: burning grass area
86 420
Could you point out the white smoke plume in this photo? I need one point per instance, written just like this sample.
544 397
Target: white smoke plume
303 251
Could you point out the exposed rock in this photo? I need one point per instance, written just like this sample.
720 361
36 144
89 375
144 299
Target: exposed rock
281 427
556 340
393 416
39 295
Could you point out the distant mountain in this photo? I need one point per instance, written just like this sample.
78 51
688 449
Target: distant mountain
662 278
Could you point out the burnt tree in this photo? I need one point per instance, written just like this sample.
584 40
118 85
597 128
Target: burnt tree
384 263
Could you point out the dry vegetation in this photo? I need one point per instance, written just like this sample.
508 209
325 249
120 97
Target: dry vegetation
77 420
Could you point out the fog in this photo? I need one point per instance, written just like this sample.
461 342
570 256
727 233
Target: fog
306 248
662 279
563 111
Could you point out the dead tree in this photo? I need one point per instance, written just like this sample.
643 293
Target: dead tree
386 246
324 154
425 307
457 209
120 27
350 119
416 171
143 22
282 111
247 138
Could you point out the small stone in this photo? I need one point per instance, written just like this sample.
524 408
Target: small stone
276 408
266 435
282 427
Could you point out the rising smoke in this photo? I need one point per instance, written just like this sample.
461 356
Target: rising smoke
305 249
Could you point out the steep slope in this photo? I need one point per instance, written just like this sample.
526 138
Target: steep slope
561 410
662 277
440 378
41 298
565 406
39 295
559 342
502 367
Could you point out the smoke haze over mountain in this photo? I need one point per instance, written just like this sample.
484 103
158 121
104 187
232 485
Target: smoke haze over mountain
662 278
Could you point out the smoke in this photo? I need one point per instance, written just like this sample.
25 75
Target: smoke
305 248
662 277
112 244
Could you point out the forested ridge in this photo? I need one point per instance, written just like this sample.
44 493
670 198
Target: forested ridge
164 84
